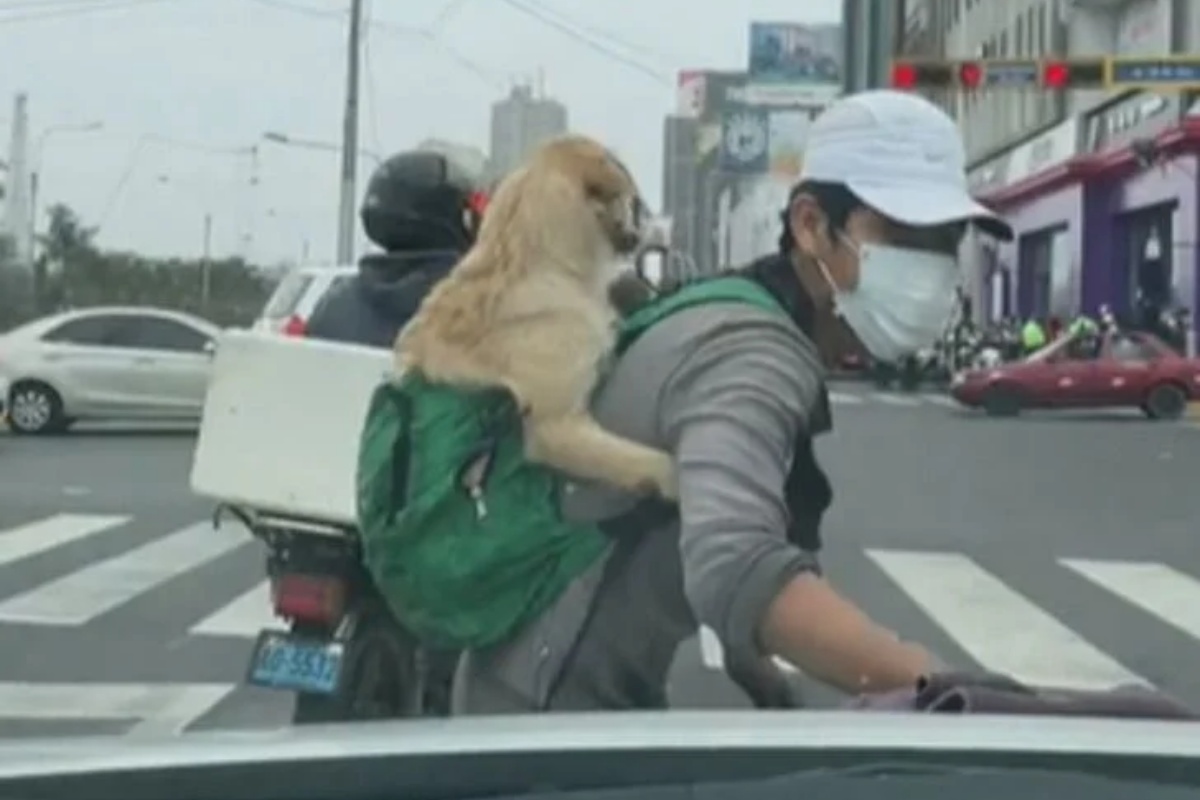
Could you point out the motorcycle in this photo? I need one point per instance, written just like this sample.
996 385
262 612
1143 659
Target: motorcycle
342 651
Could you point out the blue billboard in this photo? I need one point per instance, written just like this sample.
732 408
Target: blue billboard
792 52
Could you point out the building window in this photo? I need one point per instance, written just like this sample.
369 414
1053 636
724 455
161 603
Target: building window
1019 38
1002 46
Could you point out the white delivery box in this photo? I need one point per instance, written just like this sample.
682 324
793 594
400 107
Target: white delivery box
281 424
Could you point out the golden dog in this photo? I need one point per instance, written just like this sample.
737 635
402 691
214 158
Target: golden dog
527 310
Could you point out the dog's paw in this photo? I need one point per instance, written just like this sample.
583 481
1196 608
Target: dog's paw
662 484
668 488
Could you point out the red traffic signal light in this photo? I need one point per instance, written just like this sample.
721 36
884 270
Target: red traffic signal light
904 75
1056 75
970 75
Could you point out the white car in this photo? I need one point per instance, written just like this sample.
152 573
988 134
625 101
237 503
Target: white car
105 363
292 303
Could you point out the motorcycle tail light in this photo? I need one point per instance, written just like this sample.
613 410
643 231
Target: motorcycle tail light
294 326
309 598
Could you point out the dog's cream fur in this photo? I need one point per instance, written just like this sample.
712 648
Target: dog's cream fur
527 310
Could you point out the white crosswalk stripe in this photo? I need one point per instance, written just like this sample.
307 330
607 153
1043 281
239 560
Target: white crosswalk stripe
1019 632
1163 591
997 625
160 708
80 597
244 617
46 534
866 398
887 399
845 399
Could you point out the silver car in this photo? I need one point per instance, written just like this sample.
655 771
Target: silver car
109 363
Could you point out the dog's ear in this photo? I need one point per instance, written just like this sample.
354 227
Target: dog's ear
602 181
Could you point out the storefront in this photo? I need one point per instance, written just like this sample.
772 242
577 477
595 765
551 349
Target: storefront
1120 218
1147 203
1037 189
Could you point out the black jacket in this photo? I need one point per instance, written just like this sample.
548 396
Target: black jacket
371 308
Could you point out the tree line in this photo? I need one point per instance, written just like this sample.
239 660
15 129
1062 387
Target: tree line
72 271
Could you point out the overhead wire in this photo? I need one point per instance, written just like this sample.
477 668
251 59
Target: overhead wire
601 33
430 37
304 10
50 11
439 44
591 43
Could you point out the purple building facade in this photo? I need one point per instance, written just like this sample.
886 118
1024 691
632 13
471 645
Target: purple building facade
1095 224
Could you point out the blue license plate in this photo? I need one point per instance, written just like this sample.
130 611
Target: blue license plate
296 664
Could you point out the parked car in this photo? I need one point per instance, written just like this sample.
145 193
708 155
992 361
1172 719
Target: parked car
291 304
1117 369
110 363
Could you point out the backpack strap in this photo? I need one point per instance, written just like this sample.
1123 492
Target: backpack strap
655 512
731 289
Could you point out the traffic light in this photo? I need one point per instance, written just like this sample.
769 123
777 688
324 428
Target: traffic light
970 74
1074 74
909 75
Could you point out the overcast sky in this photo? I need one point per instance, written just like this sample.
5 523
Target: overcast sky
185 87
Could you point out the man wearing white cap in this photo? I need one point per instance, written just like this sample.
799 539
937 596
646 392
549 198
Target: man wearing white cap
878 215
736 393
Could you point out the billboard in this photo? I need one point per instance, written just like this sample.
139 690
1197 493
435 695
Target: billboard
792 52
788 134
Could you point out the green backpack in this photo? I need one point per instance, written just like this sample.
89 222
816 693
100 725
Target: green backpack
461 534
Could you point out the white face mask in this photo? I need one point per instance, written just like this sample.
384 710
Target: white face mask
903 300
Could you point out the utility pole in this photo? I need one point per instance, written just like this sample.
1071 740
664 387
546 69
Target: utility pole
345 229
206 265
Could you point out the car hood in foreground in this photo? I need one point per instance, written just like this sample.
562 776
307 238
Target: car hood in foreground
613 732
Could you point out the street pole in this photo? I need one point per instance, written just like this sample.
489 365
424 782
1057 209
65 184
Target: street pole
206 265
34 180
345 229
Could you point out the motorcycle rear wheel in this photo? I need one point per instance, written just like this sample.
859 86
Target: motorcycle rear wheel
383 679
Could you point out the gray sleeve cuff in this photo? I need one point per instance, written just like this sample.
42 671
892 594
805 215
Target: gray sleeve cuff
765 578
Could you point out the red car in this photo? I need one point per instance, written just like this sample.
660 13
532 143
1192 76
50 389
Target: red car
1120 369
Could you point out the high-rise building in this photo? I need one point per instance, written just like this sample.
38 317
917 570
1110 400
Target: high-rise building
520 123
681 183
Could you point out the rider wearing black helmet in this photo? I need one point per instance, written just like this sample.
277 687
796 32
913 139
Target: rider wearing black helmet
422 207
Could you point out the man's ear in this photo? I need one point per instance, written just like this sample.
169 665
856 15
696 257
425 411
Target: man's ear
808 225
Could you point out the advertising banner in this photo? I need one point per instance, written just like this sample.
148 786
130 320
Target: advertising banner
788 132
745 147
791 52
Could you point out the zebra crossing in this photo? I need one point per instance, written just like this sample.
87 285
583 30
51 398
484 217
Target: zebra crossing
887 399
68 575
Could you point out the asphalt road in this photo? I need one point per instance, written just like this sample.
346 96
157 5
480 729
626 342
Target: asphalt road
1061 549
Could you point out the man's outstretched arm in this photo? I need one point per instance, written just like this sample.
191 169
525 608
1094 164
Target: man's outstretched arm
732 411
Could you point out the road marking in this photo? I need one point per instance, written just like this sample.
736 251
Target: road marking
46 534
1167 593
844 399
243 618
941 400
896 399
158 708
712 652
81 596
996 625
